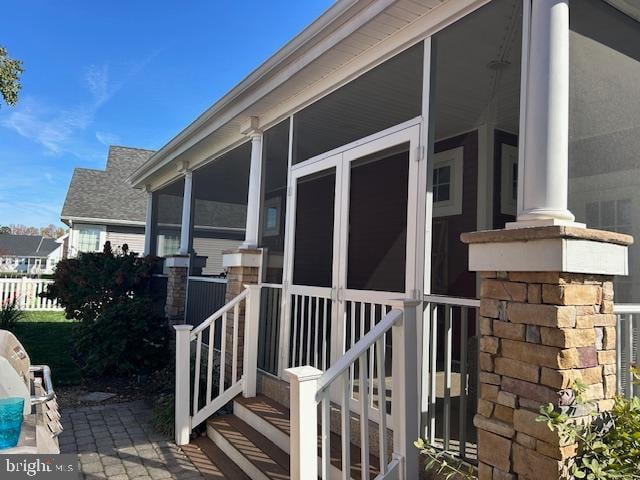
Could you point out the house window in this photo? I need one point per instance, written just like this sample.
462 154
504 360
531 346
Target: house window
272 217
168 245
447 182
442 184
89 238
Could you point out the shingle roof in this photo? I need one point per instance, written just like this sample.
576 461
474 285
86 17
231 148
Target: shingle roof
26 245
106 194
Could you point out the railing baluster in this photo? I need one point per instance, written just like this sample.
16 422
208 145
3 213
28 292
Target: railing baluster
447 376
196 372
364 415
309 320
325 343
326 435
345 427
464 318
626 338
234 365
433 373
372 357
303 325
316 333
619 352
353 339
209 363
295 332
382 404
223 353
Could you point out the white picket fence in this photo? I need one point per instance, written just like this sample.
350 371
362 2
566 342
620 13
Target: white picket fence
27 293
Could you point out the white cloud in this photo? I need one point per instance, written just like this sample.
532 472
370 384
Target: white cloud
97 80
107 138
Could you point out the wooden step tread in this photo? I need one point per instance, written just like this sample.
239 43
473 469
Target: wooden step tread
269 410
212 462
278 416
254 446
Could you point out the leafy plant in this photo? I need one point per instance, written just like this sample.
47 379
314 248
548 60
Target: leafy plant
608 443
438 462
121 328
10 314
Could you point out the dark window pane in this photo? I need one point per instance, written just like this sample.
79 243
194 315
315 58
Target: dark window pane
380 98
313 250
378 223
275 162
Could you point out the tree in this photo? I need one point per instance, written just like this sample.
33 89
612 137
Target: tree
52 231
5 230
10 71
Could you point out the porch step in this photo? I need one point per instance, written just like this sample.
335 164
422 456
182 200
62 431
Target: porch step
212 463
272 420
255 454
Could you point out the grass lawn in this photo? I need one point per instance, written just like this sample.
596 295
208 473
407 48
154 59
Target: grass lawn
47 338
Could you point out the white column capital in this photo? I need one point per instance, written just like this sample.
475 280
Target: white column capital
183 167
250 126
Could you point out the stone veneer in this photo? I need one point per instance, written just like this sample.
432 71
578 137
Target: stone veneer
176 302
238 275
540 331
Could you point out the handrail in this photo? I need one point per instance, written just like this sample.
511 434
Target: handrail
221 311
446 300
48 384
356 351
271 285
196 278
625 308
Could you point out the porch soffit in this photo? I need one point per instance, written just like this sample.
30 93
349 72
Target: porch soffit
340 47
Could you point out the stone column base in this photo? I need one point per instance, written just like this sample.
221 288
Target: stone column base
539 332
177 267
243 267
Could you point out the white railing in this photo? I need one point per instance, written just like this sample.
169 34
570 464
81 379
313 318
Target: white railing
27 292
310 387
193 405
627 346
448 425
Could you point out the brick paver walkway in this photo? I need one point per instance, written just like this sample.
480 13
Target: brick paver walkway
117 442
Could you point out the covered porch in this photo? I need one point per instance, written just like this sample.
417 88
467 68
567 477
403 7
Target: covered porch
357 181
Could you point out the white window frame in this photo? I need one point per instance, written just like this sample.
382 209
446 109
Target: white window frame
454 159
276 204
508 158
102 236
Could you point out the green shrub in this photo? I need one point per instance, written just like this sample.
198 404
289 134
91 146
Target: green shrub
10 314
121 328
608 445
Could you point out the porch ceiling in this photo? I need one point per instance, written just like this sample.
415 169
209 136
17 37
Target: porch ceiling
319 59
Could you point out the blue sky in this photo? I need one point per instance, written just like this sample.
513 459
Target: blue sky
120 72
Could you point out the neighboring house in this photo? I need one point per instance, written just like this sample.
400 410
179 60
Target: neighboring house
363 151
102 206
29 254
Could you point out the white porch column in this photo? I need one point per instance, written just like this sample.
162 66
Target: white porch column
255 173
544 170
185 229
148 223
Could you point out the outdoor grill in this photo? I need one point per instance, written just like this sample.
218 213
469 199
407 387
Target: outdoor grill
18 378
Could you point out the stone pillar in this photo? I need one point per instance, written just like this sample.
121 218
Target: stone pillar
178 273
546 319
243 267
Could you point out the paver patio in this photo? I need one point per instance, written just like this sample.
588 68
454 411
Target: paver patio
118 442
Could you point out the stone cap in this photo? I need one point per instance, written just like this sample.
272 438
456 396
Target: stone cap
547 232
250 251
